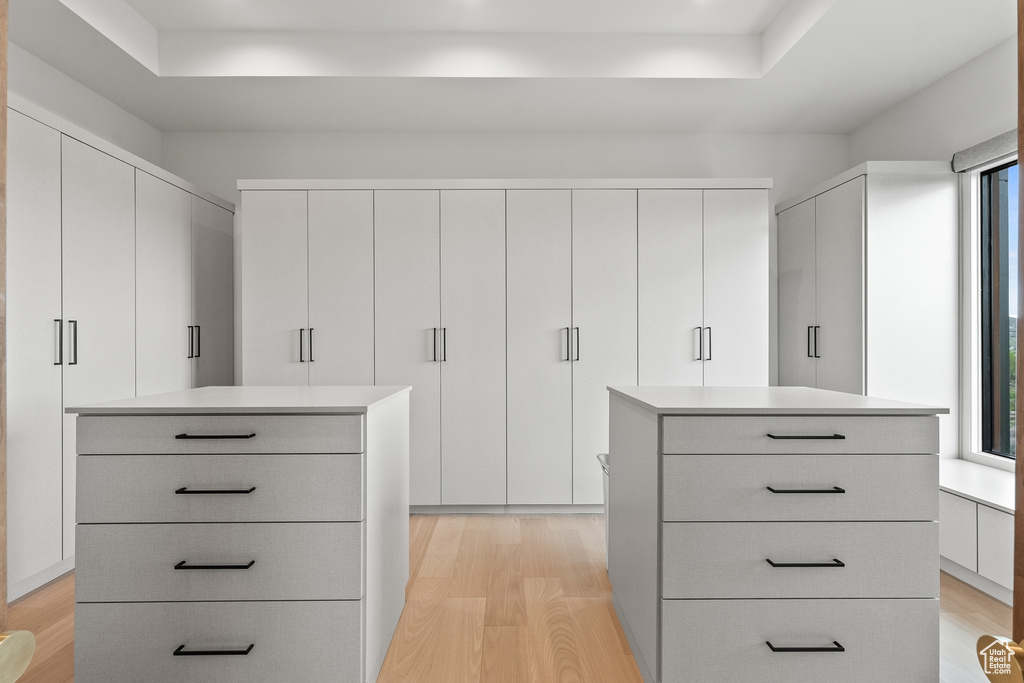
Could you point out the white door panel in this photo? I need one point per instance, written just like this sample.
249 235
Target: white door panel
797 314
213 294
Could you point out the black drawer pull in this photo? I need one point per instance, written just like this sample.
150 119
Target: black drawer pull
182 652
834 489
183 491
182 565
786 565
215 436
837 648
808 437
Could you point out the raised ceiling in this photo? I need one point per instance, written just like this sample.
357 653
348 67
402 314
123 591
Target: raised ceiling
754 66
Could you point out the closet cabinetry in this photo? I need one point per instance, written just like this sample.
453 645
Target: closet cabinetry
77 251
868 291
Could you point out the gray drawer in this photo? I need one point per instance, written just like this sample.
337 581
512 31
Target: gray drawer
115 435
706 488
312 642
882 560
749 434
135 562
725 640
288 488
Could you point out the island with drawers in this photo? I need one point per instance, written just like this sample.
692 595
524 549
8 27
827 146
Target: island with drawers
241 534
777 534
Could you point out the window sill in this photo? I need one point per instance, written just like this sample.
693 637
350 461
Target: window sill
984 484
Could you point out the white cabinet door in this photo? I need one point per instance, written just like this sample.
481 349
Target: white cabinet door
341 287
736 287
274 302
539 300
408 311
98 269
995 545
213 294
670 275
958 530
839 243
797 308
163 286
34 320
473 347
604 289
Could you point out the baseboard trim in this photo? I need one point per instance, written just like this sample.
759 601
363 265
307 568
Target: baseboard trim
976 580
39 579
505 509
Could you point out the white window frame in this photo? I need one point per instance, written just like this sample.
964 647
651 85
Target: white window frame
970 280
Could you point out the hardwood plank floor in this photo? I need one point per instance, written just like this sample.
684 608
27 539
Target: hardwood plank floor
501 598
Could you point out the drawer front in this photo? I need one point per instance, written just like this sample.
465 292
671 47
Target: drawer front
725 640
182 488
699 488
726 434
115 435
878 560
313 642
136 562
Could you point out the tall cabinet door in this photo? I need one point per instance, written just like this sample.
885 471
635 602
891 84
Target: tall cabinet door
213 294
341 287
473 347
670 276
34 401
735 287
604 291
98 269
408 312
797 295
539 300
274 303
840 287
163 286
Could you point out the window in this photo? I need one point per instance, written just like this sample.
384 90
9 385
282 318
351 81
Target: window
999 289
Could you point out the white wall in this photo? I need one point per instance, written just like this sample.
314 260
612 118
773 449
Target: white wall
41 84
976 102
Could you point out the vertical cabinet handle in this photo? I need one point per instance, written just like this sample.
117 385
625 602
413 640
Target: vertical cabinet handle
709 344
444 344
700 342
433 341
816 328
73 331
302 344
59 329
199 342
568 343
576 343
810 333
191 338
311 345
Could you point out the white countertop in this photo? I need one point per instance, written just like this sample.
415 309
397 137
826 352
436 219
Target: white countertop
247 400
980 483
764 401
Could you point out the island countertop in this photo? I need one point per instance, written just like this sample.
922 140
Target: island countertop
249 400
764 401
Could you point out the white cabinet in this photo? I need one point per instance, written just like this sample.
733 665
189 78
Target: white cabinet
98 275
703 293
958 524
977 537
604 309
408 310
34 350
868 286
213 304
539 274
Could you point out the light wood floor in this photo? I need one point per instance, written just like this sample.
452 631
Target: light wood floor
522 599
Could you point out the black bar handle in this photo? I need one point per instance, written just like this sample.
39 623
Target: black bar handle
73 331
816 328
182 652
434 345
444 344
834 489
191 342
183 491
214 436
836 647
302 344
808 437
60 341
700 342
199 342
810 332
568 343
183 565
576 334
822 565
709 343
311 345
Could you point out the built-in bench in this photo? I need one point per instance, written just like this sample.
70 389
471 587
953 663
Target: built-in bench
976 539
